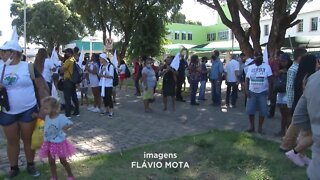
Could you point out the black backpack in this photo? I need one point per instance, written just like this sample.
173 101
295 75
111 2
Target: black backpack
128 73
77 74
115 75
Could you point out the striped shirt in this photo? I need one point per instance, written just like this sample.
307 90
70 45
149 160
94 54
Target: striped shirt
291 76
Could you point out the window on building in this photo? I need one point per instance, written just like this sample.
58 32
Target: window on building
189 36
314 24
211 36
266 29
183 36
223 35
300 26
176 36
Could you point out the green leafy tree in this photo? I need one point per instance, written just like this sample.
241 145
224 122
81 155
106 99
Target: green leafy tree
178 18
129 15
284 13
49 22
96 16
148 36
181 18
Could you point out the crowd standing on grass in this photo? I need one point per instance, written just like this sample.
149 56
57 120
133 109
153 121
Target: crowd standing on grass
280 82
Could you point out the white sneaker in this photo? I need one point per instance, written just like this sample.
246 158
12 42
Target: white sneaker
295 158
96 110
306 160
90 108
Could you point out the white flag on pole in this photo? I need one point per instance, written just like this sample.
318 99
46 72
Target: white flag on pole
81 58
265 55
114 59
14 36
176 62
55 58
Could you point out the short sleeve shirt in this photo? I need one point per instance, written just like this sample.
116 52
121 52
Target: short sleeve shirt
231 67
151 77
68 65
258 76
47 73
53 128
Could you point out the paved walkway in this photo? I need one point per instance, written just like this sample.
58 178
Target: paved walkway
95 134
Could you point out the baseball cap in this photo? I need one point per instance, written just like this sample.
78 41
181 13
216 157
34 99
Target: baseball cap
11 45
103 56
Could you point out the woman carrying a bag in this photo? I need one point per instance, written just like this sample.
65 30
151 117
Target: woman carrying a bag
280 88
16 120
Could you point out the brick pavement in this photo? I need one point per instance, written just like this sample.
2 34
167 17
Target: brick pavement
95 134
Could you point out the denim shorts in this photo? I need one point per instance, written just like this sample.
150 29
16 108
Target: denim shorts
257 101
282 98
26 116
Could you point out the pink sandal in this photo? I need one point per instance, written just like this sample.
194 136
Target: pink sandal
70 178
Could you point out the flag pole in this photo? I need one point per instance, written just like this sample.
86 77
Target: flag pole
25 27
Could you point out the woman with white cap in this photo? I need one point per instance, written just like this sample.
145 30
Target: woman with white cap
106 82
17 119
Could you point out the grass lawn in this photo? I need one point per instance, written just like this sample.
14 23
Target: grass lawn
212 155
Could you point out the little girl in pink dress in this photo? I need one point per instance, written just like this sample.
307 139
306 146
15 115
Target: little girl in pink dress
55 144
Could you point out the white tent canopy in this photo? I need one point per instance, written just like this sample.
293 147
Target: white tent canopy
179 46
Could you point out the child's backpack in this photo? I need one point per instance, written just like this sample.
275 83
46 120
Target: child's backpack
115 75
128 73
77 74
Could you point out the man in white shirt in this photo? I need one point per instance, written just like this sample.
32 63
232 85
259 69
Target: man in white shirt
232 72
258 79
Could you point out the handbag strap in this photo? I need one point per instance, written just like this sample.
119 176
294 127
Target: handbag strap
2 74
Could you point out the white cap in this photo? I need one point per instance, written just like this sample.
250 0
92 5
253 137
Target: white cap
11 45
103 56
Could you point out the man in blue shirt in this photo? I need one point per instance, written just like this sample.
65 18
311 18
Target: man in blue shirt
215 79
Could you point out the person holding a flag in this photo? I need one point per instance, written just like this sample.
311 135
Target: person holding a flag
169 83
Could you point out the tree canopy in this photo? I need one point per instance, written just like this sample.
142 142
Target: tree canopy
49 22
95 16
181 18
284 13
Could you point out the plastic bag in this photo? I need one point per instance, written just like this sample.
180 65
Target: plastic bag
37 135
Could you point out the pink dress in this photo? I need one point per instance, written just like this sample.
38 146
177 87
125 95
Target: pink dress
55 143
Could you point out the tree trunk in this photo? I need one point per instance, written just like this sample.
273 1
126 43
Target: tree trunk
244 44
104 36
50 47
278 28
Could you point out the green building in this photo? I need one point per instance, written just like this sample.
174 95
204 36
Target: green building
197 34
200 38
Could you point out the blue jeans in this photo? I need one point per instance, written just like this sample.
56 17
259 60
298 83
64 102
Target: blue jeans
202 90
234 93
216 92
193 90
257 100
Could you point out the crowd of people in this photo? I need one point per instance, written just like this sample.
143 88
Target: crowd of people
279 81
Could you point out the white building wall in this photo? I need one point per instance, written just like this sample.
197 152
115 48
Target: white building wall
293 31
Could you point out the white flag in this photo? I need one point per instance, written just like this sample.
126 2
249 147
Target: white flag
114 59
55 58
265 55
81 58
176 62
14 36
